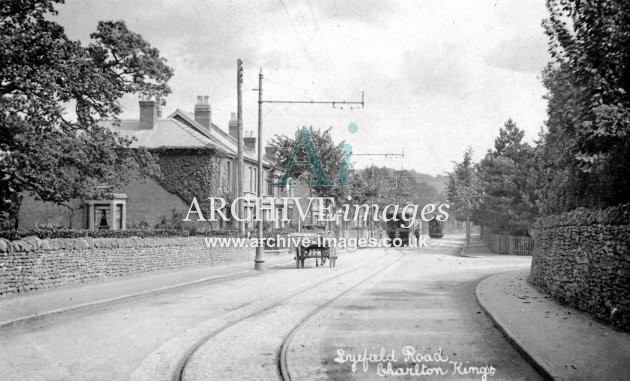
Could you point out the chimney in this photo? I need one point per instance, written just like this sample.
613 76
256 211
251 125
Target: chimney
233 126
203 112
270 153
158 104
148 114
249 141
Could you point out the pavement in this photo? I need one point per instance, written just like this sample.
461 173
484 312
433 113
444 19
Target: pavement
560 342
478 249
145 337
21 308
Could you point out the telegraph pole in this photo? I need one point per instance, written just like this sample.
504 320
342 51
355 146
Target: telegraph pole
259 261
239 140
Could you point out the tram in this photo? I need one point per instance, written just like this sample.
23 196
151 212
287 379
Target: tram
435 228
395 229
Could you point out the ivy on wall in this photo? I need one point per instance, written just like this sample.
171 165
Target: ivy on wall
190 172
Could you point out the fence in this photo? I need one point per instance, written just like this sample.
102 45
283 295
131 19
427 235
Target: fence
355 233
509 244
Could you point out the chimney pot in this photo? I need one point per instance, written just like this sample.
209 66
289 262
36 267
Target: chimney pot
249 141
203 112
233 126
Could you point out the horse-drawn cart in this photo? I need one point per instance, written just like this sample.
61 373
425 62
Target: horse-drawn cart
313 243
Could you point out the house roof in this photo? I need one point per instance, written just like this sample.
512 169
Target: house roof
181 130
224 140
166 132
221 138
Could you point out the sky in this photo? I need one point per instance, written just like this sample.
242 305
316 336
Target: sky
438 76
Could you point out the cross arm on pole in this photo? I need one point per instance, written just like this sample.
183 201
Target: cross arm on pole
333 103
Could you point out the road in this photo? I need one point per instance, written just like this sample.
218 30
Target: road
374 300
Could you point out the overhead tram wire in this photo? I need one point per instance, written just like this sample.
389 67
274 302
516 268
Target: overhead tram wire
335 104
293 89
313 14
308 55
300 90
331 68
296 89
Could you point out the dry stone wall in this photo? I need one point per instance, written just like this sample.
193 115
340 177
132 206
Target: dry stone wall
582 259
33 264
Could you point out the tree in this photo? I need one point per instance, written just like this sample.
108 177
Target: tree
42 72
585 152
329 154
464 190
386 185
508 178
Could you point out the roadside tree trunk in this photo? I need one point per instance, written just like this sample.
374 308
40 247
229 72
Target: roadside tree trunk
468 227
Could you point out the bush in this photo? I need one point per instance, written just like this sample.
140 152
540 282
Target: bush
13 235
220 233
49 226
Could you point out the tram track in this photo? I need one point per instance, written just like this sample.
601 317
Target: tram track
282 364
180 370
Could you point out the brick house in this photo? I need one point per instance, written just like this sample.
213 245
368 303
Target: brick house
196 157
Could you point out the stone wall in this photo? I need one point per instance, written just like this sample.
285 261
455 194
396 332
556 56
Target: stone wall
32 264
582 259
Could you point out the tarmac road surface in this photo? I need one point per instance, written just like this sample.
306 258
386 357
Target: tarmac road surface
424 315
376 300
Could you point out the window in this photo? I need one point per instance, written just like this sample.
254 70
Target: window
228 175
270 190
253 181
255 177
249 170
107 214
102 217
